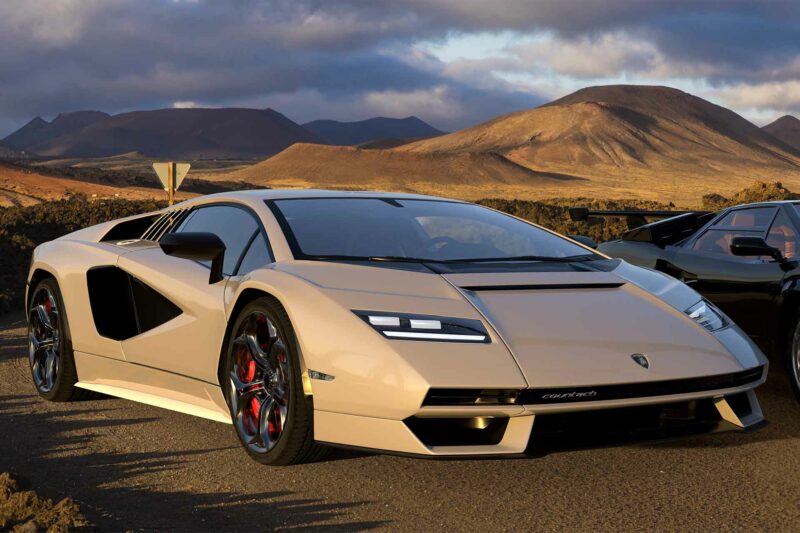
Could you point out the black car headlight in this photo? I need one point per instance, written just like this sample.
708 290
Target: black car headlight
707 315
413 327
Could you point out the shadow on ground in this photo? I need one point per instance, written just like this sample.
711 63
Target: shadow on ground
59 449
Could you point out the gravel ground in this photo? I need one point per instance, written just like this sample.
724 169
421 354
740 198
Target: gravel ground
132 466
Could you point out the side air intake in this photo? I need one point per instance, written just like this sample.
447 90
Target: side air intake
123 306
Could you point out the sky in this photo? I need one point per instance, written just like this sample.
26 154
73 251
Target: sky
452 63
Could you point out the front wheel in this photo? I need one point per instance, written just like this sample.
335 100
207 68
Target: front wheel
272 415
792 357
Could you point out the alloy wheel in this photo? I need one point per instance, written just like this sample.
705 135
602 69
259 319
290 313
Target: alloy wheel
44 339
259 383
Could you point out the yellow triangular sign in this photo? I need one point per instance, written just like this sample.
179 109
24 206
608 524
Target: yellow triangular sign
181 169
162 171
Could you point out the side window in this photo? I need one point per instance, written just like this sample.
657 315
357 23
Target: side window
257 256
719 242
783 236
233 225
751 218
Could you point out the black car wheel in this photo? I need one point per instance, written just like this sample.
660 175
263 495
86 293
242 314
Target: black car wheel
49 345
792 357
270 411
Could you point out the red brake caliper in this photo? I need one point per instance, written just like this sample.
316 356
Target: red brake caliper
247 372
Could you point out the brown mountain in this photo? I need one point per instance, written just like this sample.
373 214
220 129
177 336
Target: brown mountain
620 141
232 133
346 167
612 128
39 130
787 129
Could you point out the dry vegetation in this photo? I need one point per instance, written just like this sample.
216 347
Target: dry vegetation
23 228
25 511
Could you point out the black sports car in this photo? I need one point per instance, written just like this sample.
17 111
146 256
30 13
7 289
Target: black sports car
743 259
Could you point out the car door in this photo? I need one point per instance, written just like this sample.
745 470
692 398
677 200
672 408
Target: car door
189 344
744 287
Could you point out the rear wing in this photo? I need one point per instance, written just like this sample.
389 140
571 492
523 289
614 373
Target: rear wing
635 217
676 226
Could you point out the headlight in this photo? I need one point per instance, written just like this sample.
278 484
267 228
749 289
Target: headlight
425 327
707 316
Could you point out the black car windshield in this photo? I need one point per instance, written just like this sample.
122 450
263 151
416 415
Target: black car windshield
378 229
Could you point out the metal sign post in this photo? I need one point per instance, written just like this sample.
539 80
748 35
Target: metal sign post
171 176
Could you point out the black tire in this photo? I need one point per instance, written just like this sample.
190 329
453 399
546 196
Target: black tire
295 442
61 388
791 356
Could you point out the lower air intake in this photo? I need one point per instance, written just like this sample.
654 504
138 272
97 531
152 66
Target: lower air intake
589 429
474 431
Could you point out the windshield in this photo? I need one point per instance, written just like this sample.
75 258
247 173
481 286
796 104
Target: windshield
414 230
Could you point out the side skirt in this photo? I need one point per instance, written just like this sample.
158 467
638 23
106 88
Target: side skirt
151 386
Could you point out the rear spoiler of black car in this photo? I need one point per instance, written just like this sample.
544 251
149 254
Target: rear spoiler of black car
635 217
676 226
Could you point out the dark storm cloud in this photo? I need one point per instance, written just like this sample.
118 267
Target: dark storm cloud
117 55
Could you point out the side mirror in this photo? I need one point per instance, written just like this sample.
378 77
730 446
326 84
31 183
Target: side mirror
584 240
754 246
199 246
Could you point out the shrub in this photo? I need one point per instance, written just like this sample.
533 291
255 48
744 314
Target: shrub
23 228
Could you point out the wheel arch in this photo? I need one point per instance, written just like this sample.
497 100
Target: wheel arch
37 276
247 295
789 309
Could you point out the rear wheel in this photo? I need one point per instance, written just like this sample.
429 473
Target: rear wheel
272 415
49 345
792 357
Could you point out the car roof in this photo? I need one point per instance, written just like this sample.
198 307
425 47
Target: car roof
259 195
764 204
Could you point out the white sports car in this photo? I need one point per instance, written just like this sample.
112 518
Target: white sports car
392 322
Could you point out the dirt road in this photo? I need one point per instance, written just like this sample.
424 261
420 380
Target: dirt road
137 467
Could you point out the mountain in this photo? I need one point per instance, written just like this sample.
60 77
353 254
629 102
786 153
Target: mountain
352 133
233 133
347 167
787 129
620 127
39 130
621 141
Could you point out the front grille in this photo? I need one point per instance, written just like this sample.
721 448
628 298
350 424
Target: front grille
463 397
639 390
606 427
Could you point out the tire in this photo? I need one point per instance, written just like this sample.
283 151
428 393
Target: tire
262 381
791 356
52 364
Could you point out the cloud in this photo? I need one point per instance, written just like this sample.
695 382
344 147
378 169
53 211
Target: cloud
783 95
451 61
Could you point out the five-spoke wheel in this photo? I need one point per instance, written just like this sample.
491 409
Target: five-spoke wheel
259 382
262 376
